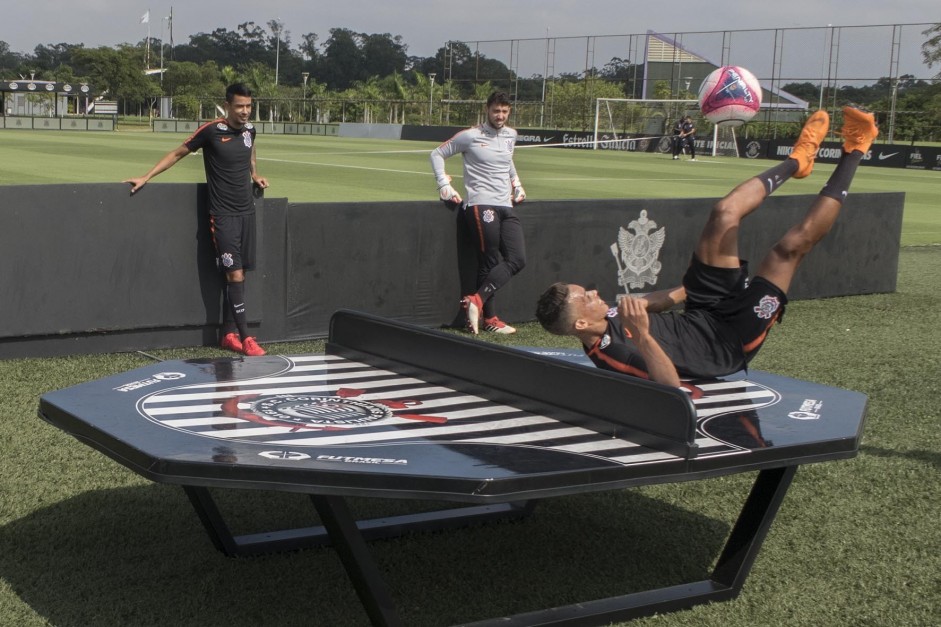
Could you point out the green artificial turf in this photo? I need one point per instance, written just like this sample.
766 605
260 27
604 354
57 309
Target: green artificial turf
325 169
84 541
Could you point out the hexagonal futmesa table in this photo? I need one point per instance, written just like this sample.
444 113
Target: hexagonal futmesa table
396 411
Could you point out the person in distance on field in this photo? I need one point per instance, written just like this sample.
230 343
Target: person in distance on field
228 146
726 317
677 139
493 187
687 138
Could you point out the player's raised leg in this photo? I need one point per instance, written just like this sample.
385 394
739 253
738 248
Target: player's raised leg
718 243
859 131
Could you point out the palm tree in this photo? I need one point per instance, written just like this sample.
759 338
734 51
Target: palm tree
260 79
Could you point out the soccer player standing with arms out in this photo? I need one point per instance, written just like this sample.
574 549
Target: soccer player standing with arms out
492 187
228 146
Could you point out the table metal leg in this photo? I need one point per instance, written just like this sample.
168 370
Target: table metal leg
726 581
349 538
373 529
360 566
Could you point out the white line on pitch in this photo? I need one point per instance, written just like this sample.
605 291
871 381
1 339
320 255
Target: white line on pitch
337 165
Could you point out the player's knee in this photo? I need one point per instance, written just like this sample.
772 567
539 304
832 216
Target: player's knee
725 215
793 246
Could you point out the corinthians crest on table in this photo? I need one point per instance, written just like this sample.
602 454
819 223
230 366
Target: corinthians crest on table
636 252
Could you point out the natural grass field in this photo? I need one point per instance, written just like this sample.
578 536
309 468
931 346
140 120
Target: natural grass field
311 169
85 542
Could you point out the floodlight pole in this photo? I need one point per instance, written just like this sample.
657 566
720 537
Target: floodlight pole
161 46
542 111
277 51
823 60
305 76
431 95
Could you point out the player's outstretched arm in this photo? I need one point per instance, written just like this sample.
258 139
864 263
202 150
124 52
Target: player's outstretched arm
633 314
165 163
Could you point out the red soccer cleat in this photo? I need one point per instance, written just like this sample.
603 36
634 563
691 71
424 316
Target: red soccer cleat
474 307
495 325
232 342
251 348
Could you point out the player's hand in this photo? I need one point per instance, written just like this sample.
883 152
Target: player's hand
633 314
448 194
261 182
136 183
519 194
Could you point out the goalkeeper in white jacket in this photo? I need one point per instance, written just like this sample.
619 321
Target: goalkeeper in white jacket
492 188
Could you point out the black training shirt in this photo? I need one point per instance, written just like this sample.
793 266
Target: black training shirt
697 344
227 157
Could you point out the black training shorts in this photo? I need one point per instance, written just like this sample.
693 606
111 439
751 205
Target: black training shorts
234 237
748 308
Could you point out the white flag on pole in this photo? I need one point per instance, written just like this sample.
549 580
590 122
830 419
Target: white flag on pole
145 18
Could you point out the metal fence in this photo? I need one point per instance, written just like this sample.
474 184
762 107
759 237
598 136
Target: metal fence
835 60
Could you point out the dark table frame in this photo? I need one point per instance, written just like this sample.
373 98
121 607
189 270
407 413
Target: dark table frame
349 537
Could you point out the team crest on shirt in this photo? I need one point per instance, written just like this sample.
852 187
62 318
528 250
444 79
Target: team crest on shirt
509 145
247 138
227 260
767 307
488 216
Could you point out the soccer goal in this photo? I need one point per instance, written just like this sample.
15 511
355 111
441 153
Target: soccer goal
724 141
620 119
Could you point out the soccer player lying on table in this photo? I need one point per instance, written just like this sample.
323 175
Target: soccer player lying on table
726 317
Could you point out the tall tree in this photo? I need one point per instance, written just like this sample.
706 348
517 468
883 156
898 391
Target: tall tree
383 55
344 62
11 63
118 73
309 46
50 57
931 49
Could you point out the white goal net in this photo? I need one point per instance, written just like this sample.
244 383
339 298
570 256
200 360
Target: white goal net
619 119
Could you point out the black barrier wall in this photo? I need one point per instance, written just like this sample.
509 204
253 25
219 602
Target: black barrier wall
87 268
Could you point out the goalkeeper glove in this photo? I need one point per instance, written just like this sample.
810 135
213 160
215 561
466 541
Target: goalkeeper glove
519 194
447 193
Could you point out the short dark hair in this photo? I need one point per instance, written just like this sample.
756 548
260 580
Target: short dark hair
500 98
237 89
552 309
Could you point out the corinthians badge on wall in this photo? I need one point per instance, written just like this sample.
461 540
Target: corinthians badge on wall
636 252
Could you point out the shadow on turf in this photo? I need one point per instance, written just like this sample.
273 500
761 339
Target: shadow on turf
138 556
932 458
